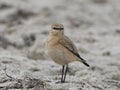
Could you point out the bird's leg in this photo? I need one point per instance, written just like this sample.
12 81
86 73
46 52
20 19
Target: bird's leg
65 72
63 67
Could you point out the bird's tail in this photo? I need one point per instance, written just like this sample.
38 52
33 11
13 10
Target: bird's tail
84 62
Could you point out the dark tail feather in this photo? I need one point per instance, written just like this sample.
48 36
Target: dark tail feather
84 62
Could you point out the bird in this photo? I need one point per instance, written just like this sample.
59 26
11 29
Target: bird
61 49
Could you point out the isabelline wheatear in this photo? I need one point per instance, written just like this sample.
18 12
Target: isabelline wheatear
61 49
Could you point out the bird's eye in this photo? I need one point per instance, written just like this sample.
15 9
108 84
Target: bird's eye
54 28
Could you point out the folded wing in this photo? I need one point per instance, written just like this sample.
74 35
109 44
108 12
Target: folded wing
68 44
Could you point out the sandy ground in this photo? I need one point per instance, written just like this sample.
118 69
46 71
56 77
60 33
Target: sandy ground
93 25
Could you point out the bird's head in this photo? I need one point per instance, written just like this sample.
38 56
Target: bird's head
57 30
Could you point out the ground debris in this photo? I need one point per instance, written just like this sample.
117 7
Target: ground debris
26 83
4 42
29 39
4 6
113 83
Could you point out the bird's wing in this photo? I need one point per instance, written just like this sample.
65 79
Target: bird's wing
69 45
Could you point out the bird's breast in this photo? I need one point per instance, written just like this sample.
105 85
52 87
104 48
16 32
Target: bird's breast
56 53
60 55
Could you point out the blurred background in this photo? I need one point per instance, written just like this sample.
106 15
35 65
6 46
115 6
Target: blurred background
93 25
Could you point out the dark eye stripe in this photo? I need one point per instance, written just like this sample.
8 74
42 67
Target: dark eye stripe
58 28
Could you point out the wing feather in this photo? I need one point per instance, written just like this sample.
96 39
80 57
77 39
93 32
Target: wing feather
68 44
